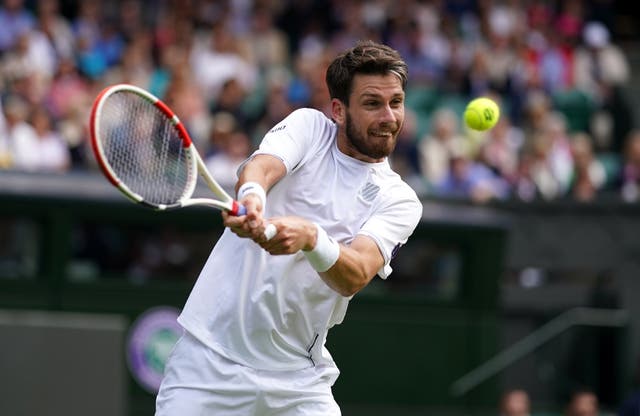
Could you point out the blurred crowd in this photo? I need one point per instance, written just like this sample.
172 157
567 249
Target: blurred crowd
231 69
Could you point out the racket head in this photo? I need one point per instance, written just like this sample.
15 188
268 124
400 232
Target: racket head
142 147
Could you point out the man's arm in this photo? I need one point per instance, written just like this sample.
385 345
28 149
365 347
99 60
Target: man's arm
265 171
354 267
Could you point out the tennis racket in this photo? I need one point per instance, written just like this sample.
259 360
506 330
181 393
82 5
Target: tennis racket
144 150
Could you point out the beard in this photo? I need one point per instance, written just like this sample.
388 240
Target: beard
378 148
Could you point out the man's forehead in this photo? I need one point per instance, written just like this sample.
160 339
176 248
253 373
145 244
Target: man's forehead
366 84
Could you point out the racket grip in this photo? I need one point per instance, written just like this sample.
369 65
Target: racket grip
237 209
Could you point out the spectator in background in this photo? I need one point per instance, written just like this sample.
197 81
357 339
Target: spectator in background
515 402
589 176
231 99
477 80
501 148
164 60
57 29
504 23
217 59
426 69
15 19
628 183
233 147
17 62
136 64
86 24
223 124
537 107
404 159
68 100
602 71
559 154
546 162
91 31
264 45
583 402
319 94
68 90
471 180
39 55
22 139
51 151
436 148
187 98
5 150
277 105
132 17
562 34
28 67
536 178
556 64
351 18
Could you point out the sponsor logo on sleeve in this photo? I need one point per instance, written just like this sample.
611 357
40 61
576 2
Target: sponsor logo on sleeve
278 128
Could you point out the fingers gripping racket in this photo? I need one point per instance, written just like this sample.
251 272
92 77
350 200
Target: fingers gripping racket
144 150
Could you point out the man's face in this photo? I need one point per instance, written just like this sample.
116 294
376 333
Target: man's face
515 404
585 404
373 118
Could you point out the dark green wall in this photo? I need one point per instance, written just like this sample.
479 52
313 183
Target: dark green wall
402 343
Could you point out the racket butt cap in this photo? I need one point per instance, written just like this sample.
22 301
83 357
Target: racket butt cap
270 231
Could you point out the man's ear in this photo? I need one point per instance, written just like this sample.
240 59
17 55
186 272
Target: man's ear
338 111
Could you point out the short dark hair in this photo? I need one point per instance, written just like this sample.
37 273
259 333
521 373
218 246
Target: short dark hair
366 57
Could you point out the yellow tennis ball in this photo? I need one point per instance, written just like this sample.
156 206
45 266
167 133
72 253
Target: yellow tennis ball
481 114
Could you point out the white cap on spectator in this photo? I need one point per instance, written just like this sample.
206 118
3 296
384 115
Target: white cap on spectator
596 34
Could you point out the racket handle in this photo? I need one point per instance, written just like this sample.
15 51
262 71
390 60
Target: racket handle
237 209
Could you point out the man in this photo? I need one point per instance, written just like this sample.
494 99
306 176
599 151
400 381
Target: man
258 316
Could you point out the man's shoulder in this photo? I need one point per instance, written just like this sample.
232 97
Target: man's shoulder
303 119
395 186
310 113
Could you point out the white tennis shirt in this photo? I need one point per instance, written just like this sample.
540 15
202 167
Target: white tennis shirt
273 312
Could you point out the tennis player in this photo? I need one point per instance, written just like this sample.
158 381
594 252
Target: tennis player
257 318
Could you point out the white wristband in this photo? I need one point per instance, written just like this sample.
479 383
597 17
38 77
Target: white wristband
325 253
253 188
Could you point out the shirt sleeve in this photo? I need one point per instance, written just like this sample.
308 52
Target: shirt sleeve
392 225
294 138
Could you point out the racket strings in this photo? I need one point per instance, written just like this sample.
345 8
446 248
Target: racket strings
144 149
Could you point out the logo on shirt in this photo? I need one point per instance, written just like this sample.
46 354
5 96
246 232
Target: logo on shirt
369 191
149 343
278 128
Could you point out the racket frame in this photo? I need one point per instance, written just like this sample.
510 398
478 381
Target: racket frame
225 201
